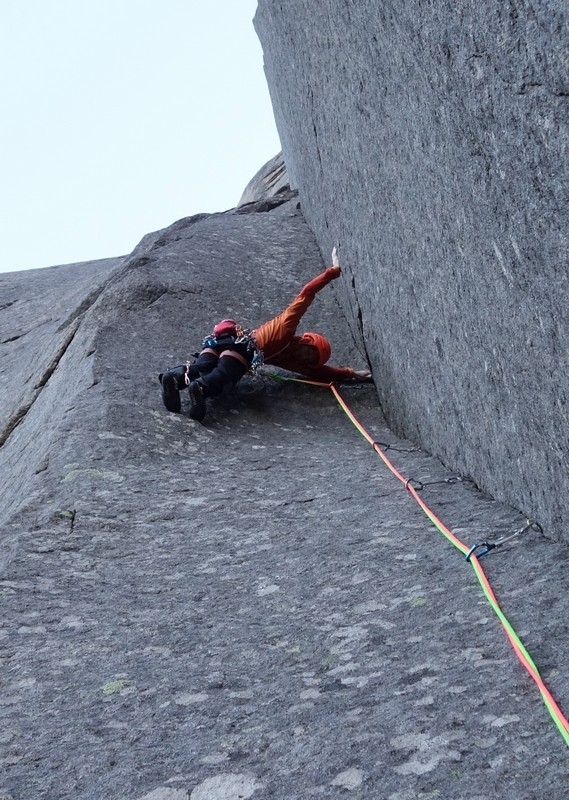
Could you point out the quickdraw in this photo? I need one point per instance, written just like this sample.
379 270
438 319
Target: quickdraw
488 546
413 483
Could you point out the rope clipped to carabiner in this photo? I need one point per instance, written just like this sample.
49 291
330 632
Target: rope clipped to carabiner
488 546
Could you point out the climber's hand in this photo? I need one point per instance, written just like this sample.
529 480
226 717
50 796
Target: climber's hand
363 375
335 271
335 259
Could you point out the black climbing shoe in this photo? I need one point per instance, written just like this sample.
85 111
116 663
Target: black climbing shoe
197 400
170 393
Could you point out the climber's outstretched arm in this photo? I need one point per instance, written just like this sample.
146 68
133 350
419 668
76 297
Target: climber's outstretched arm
329 374
283 327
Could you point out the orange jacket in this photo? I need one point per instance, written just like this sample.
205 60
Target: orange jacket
276 336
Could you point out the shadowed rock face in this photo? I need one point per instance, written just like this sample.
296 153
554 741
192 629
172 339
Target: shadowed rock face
430 141
251 607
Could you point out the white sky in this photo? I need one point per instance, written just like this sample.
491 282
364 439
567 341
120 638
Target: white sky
119 117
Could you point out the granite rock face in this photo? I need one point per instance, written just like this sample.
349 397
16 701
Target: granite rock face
430 141
252 607
270 180
40 314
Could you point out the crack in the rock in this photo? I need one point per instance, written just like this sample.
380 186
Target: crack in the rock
74 320
14 421
22 412
84 306
54 363
359 320
300 501
26 332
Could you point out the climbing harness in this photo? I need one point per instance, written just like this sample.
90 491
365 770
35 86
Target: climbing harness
212 341
488 546
472 557
243 336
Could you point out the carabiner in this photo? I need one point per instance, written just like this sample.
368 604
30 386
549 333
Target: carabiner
487 547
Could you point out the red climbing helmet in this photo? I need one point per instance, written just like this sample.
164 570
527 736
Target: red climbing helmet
227 327
321 344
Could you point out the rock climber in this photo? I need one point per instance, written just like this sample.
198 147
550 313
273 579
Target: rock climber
230 352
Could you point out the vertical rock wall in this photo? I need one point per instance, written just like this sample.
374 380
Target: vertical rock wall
430 141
